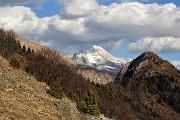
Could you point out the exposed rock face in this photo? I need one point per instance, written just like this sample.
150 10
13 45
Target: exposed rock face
99 59
146 65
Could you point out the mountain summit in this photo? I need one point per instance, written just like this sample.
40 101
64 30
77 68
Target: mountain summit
154 86
146 65
100 59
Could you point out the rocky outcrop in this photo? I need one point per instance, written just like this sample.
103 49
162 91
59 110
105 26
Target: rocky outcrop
146 65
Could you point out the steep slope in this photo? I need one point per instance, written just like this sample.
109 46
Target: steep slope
35 46
23 97
26 96
152 87
93 75
27 43
85 71
100 59
146 65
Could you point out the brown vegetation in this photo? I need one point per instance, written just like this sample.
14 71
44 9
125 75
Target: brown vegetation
153 87
23 97
154 96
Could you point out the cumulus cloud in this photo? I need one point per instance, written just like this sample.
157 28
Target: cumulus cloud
12 2
78 8
82 23
131 20
20 19
162 44
176 64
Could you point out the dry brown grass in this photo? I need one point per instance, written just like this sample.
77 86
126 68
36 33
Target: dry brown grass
36 47
95 76
28 43
23 97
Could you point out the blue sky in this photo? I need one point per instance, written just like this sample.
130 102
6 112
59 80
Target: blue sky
53 6
125 28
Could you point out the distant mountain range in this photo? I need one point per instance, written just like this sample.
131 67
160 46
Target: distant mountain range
100 59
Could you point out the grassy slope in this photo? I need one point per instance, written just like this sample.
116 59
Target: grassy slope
23 97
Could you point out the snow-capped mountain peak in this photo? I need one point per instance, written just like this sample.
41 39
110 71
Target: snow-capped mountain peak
100 59
97 49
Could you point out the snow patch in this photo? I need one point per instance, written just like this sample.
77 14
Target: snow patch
100 59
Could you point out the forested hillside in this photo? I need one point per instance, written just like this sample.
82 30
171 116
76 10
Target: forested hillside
119 100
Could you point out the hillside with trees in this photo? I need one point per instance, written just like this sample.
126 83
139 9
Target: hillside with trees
153 95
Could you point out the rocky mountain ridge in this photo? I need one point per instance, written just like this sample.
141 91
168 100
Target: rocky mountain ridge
99 59
146 65
152 87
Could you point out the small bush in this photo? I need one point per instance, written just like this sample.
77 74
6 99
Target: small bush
14 62
89 104
10 76
17 61
56 90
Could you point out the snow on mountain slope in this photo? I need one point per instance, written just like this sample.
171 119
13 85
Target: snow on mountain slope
100 59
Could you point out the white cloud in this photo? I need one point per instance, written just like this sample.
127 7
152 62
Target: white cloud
131 20
162 44
82 23
126 0
18 18
134 0
12 2
176 64
78 8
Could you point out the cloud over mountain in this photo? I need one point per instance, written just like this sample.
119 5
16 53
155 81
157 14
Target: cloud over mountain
161 44
88 23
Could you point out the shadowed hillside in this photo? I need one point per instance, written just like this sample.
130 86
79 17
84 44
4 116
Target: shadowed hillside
153 87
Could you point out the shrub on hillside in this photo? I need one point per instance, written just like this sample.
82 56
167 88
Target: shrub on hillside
8 44
56 90
17 61
14 62
89 104
47 66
